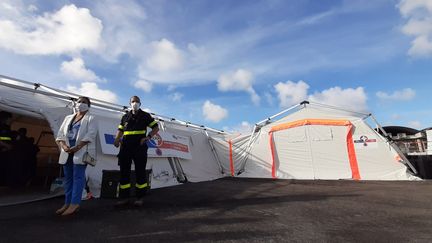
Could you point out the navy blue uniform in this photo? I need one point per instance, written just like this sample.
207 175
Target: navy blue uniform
134 128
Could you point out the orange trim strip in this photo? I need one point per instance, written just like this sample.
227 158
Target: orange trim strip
329 122
306 122
231 158
273 155
352 155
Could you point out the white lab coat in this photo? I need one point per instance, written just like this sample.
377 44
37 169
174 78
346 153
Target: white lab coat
87 132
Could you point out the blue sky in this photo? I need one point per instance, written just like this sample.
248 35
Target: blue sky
228 64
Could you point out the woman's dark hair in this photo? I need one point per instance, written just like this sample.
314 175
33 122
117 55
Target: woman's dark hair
85 98
136 97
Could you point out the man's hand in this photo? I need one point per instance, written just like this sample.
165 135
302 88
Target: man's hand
144 140
117 142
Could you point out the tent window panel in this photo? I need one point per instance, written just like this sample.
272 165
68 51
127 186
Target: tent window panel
293 135
320 133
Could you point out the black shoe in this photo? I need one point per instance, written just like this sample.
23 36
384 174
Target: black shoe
121 203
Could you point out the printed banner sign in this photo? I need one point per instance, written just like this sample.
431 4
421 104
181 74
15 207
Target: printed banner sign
163 144
365 141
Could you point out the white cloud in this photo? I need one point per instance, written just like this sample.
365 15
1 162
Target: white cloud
12 9
269 98
405 94
351 99
290 93
419 25
254 97
240 80
409 7
415 124
165 56
69 30
244 128
75 69
177 96
144 85
124 28
32 8
93 91
213 112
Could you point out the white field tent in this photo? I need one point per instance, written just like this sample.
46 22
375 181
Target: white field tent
42 109
313 141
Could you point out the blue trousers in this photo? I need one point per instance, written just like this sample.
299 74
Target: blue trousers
74 181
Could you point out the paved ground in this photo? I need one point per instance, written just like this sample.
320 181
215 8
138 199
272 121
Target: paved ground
239 210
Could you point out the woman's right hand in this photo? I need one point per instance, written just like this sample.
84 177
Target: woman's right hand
65 148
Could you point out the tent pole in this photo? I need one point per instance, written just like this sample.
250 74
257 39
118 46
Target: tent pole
394 146
379 126
249 148
278 114
214 153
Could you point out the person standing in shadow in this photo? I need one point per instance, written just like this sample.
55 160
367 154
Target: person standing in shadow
5 145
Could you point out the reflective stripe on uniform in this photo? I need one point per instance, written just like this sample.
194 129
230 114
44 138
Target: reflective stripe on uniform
134 132
153 123
5 139
120 127
125 186
141 186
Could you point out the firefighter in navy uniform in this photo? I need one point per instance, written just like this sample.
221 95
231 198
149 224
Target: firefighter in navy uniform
5 146
132 137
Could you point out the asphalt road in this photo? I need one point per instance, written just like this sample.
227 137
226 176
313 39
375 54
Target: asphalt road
239 210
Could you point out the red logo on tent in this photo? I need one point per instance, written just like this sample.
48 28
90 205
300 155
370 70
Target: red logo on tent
365 140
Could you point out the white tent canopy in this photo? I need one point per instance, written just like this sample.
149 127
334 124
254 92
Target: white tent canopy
45 103
313 141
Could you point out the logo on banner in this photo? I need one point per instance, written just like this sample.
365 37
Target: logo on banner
365 141
155 142
159 152
163 144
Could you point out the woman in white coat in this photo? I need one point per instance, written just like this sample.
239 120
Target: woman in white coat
77 135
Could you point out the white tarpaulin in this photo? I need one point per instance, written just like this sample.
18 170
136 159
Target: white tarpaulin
314 142
188 142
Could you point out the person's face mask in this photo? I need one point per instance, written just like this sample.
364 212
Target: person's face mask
81 107
135 106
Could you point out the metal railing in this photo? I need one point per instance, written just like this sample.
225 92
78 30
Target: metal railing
413 146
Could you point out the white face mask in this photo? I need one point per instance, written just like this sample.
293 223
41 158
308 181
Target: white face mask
81 107
135 106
